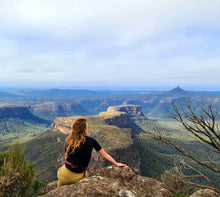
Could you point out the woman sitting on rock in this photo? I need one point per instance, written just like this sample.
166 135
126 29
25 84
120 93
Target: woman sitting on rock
78 149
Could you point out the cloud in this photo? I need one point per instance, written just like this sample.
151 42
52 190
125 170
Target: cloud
126 21
110 42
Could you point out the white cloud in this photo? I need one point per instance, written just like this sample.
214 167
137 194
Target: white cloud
109 42
126 20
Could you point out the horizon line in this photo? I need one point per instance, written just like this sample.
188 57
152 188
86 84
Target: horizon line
113 88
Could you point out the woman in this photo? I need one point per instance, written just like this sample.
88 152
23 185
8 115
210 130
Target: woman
78 149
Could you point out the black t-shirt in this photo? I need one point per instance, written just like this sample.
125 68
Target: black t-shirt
82 155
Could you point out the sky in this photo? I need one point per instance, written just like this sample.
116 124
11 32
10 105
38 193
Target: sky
114 44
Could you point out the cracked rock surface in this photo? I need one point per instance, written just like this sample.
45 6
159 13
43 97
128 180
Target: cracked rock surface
110 181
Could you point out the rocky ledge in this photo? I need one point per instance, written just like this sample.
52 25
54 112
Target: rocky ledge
110 181
117 182
131 110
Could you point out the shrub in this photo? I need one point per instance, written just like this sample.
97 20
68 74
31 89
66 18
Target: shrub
16 174
179 195
174 182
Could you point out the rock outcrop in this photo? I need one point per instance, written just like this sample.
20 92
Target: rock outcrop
110 181
205 193
119 119
131 110
62 124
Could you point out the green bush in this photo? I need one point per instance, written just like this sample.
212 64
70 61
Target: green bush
180 195
16 174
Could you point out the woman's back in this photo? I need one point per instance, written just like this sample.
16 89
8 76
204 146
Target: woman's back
82 154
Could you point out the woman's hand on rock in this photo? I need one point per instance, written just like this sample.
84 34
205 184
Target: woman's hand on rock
120 165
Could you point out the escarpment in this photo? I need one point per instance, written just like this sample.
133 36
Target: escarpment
15 112
22 113
131 110
51 110
119 119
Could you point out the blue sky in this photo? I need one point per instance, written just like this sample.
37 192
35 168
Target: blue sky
119 44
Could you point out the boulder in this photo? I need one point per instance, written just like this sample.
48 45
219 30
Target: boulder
205 193
110 181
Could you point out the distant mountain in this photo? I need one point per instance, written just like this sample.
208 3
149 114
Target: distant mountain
52 103
157 105
154 105
177 91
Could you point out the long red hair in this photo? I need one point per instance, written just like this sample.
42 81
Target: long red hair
77 135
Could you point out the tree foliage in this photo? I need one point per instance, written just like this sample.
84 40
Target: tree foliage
17 174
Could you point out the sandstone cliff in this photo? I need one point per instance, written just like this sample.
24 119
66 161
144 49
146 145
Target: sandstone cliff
19 112
15 112
119 119
51 110
131 110
55 108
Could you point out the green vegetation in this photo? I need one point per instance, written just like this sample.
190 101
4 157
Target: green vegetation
157 157
17 129
109 136
45 150
17 174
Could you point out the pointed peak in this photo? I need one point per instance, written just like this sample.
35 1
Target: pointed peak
177 90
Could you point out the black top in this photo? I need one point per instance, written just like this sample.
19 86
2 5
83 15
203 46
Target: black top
82 155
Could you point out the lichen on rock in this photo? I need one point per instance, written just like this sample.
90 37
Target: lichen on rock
110 181
205 193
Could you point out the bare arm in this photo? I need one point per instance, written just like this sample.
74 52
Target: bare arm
109 158
66 155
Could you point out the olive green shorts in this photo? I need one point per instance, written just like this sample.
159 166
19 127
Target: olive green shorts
66 177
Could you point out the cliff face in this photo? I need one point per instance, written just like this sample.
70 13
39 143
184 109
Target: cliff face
58 108
51 110
21 113
119 119
62 124
15 112
131 110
